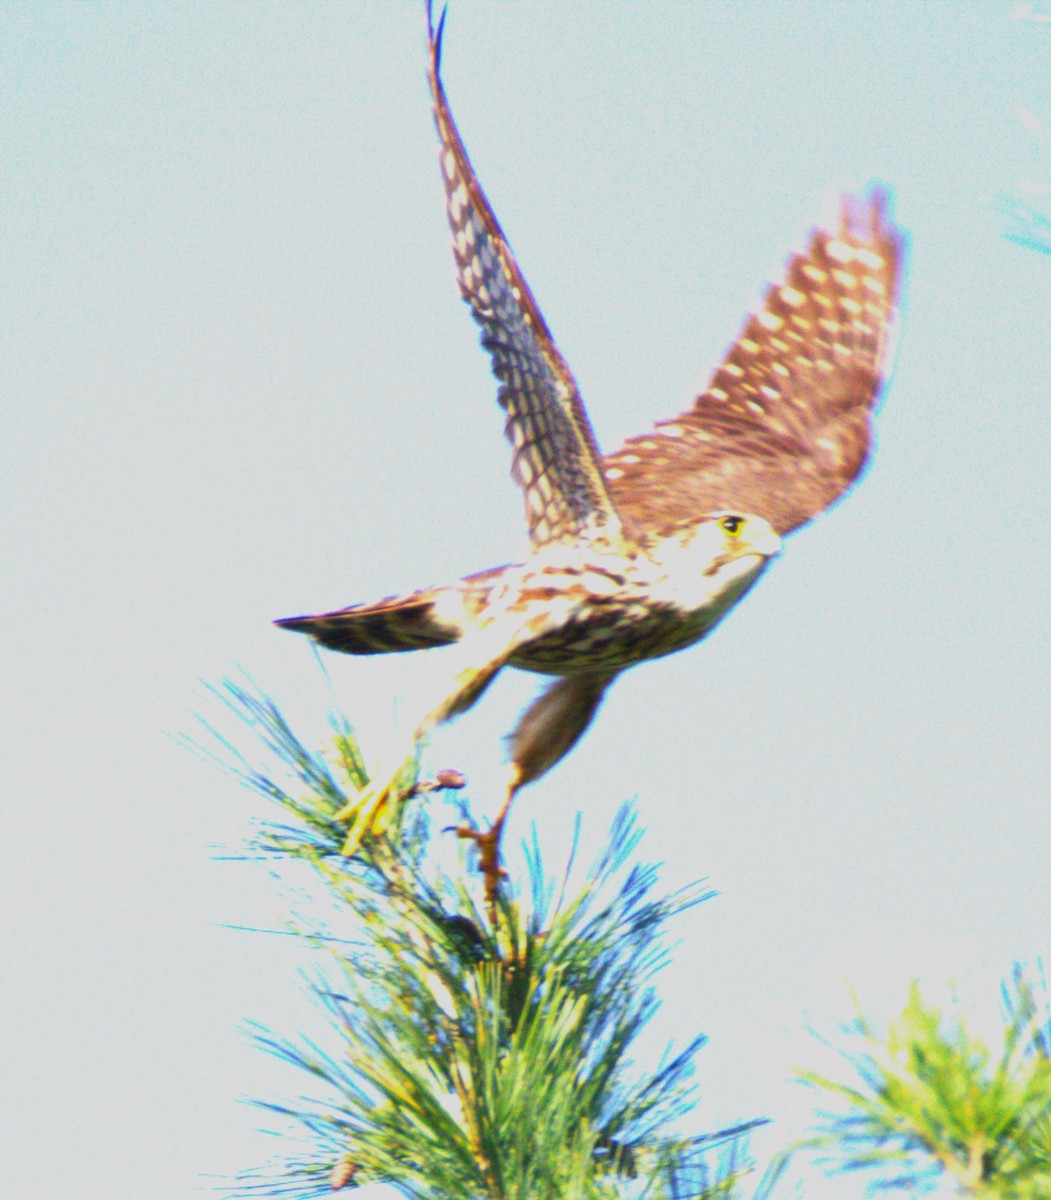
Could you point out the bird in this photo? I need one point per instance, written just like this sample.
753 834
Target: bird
641 552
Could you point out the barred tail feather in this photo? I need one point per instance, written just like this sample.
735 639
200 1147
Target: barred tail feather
435 616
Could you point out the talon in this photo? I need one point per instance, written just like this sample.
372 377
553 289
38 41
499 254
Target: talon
489 864
447 780
450 779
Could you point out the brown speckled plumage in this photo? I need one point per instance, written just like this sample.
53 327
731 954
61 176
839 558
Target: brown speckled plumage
642 552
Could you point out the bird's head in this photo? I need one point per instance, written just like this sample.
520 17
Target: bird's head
719 558
731 535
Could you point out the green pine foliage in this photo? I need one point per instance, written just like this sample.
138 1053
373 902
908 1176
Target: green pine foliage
933 1102
477 1055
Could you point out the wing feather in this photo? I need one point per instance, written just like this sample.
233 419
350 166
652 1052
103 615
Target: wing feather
784 427
556 459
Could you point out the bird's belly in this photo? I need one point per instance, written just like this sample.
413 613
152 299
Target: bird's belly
612 636
606 619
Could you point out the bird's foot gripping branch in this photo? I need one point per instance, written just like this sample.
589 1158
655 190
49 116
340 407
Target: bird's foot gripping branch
471 1058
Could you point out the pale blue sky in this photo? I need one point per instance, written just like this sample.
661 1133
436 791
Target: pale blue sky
238 384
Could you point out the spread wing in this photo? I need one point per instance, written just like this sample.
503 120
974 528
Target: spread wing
556 459
784 427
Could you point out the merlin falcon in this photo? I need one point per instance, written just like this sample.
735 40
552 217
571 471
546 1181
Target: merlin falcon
642 552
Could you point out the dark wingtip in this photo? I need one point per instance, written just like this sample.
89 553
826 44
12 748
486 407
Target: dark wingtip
881 213
434 36
867 213
863 211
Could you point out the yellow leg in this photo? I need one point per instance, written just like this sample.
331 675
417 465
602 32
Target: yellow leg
488 843
547 730
372 808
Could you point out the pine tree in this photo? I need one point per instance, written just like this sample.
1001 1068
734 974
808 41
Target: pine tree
477 1054
934 1102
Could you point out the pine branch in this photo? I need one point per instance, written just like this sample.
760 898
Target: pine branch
933 1100
480 1056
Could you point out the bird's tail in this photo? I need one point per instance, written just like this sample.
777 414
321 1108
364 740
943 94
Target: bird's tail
433 617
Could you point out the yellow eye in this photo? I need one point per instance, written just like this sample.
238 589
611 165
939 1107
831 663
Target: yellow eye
732 525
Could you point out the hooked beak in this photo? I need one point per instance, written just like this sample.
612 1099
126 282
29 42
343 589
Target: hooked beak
768 545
